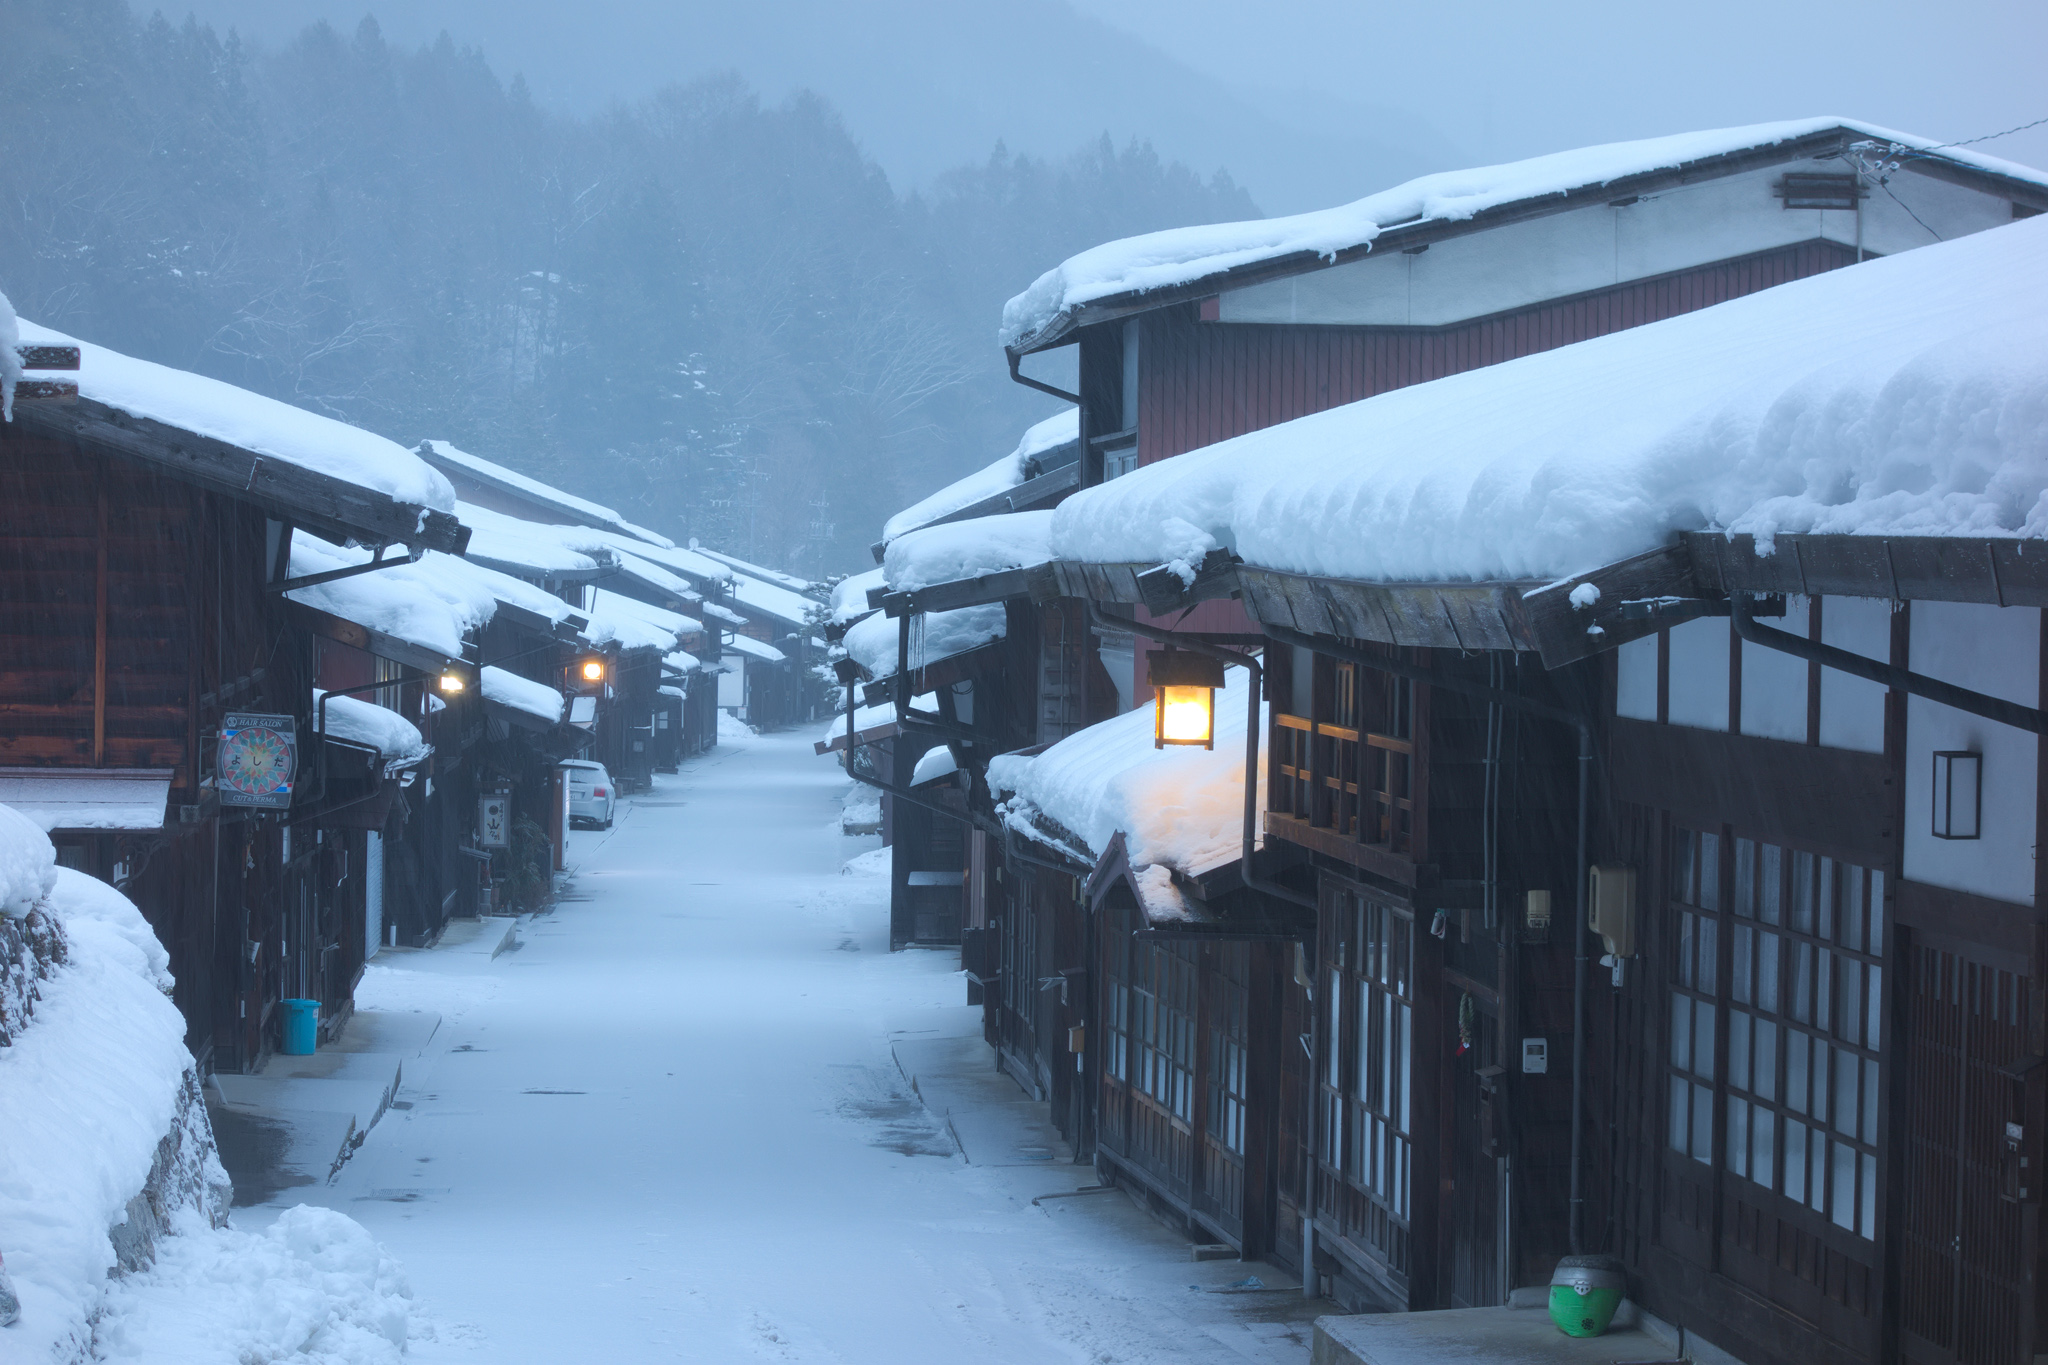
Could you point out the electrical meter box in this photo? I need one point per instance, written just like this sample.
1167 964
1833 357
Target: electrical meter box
1611 909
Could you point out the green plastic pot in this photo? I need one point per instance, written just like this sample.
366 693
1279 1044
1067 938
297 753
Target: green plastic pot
1584 1292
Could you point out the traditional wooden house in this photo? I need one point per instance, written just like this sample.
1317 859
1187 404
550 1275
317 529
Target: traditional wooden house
158 686
1676 896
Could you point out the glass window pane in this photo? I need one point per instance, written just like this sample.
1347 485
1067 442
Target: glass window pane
1710 957
1681 1115
1686 956
1738 1049
1870 1102
1876 913
1767 972
1842 1206
1824 988
1795 1071
1824 925
1762 1128
1848 998
1848 1106
1816 1170
1710 872
1738 1136
1795 1161
1681 1031
1702 1124
1682 841
1820 1082
1802 892
1401 1017
1703 1039
1852 907
1866 1217
1766 1085
1802 982
1740 972
1771 877
1873 1014
1744 897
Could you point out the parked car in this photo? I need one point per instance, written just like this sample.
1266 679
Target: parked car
592 794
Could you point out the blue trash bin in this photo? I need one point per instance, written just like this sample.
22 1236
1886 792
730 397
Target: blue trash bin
301 1027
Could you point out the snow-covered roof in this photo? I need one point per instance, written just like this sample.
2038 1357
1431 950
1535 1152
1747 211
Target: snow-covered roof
850 596
1182 256
249 421
756 596
521 694
968 549
532 545
635 625
941 635
752 570
1905 396
375 727
86 798
754 649
10 360
1178 807
494 475
432 604
999 477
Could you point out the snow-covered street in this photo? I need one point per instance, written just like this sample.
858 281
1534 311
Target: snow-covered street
672 1126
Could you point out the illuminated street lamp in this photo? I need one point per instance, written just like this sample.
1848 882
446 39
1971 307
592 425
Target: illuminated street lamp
1183 697
451 683
591 670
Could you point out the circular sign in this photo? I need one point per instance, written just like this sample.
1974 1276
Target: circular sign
256 761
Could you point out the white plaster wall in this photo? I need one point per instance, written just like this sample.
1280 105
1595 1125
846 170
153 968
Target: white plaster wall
1563 254
1699 673
1635 679
1996 650
1774 682
1852 708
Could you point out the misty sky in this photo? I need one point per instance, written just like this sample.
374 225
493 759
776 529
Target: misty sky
1307 102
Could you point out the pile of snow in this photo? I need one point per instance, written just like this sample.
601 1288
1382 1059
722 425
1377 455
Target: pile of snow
433 603
933 764
10 360
263 426
1178 256
491 472
632 624
968 549
850 596
934 636
376 727
873 863
28 864
1178 807
999 477
732 727
1906 396
521 694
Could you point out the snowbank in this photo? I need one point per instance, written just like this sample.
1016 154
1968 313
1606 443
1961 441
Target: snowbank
376 727
933 636
1906 396
968 549
433 603
1177 256
999 477
207 407
522 694
10 360
1179 807
28 864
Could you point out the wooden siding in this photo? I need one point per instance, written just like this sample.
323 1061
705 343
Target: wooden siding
1201 382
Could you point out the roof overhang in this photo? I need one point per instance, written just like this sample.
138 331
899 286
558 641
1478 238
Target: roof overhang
1045 490
1039 582
89 800
331 508
342 631
1418 233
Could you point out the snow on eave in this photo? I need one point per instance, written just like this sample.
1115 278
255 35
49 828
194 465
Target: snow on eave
522 694
775 576
754 649
850 596
1158 268
938 635
958 550
997 477
431 604
488 472
1902 396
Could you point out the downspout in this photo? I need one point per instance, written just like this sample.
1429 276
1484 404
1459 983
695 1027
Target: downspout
1742 610
1018 376
1584 726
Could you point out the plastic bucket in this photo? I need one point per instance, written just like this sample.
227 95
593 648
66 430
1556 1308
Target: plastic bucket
301 1027
1584 1293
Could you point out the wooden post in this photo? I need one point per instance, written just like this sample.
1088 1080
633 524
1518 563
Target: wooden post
99 628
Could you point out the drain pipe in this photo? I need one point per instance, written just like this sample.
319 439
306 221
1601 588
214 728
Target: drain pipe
1584 726
1249 838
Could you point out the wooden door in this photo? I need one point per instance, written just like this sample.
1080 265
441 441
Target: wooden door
1967 1247
1474 1156
1224 1062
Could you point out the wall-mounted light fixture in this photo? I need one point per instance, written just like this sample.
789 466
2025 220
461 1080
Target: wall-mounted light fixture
450 682
1958 794
591 670
1183 697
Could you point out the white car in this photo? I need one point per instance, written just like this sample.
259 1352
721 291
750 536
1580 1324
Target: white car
592 794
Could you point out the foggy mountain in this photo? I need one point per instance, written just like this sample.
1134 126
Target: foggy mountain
924 85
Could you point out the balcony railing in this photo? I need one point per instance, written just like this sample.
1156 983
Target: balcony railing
1353 782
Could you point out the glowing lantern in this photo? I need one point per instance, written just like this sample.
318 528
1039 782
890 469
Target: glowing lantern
1183 697
451 682
592 670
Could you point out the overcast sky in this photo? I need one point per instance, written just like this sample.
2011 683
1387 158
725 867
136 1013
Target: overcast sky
1307 102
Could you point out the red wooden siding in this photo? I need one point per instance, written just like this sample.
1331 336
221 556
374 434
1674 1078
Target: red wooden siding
1200 383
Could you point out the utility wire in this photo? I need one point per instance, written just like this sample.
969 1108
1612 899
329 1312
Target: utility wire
1971 141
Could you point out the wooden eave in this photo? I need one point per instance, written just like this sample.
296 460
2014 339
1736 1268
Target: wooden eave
1039 582
1417 233
1045 490
954 668
332 508
567 629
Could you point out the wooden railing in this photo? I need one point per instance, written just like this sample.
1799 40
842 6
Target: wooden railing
1353 782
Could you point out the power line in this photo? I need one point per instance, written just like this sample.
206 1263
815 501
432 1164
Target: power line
1970 141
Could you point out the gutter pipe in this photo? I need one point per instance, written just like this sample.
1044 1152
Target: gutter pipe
1584 726
1018 376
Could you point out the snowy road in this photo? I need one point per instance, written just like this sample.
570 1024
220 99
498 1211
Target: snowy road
670 1127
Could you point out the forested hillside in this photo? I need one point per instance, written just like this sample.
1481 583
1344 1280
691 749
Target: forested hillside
717 315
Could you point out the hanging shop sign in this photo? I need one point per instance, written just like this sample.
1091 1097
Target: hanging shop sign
258 760
494 821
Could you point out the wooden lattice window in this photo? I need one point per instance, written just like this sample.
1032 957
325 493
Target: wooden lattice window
1351 767
1226 1076
1163 1029
1365 1078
